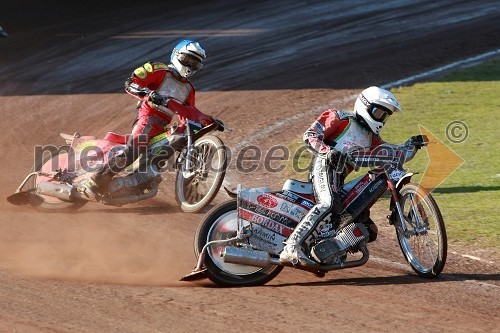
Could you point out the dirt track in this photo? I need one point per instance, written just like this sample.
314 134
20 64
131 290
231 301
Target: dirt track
106 269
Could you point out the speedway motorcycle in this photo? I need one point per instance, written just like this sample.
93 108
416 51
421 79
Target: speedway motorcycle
239 242
200 163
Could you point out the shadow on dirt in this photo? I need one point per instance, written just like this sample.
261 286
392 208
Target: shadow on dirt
395 280
147 210
465 189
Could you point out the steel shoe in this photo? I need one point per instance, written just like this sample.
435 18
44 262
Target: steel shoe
292 254
89 189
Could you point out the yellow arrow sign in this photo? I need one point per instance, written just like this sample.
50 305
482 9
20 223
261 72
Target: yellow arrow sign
442 161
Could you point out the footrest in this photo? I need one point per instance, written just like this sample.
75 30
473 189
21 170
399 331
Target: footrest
195 275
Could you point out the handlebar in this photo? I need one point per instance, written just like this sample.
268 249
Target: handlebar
385 154
418 141
220 125
147 94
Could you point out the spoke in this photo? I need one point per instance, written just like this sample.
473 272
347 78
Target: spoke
413 207
195 194
430 245
203 188
192 194
187 190
423 245
199 197
206 154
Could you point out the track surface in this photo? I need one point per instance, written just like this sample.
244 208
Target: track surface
106 269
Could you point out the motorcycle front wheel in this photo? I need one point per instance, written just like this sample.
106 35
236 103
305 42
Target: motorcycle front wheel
198 181
422 234
220 224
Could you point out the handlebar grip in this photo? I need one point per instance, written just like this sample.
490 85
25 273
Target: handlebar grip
419 140
220 124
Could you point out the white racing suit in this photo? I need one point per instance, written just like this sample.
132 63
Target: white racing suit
334 131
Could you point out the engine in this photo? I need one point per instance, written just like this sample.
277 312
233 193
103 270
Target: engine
136 182
330 250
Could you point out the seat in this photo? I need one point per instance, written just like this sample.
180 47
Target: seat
69 138
116 138
298 187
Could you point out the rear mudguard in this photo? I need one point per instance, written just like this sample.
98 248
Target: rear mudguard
233 193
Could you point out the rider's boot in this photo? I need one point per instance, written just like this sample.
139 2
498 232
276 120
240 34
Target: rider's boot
293 252
94 186
89 188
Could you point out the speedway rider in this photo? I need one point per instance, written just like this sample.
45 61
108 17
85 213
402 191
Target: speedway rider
337 131
170 87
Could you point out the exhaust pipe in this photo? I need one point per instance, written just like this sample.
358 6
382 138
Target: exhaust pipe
69 193
249 257
61 191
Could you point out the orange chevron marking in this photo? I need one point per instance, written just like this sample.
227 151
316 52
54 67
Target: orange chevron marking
442 162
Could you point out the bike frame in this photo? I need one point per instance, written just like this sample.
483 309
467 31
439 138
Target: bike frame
361 193
394 177
356 196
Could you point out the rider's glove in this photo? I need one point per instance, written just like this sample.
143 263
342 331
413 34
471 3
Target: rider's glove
332 156
418 141
220 124
156 98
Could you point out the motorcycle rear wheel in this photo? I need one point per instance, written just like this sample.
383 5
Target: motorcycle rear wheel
424 243
50 161
221 223
195 191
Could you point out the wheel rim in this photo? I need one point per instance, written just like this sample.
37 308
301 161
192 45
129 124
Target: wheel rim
208 161
421 240
223 228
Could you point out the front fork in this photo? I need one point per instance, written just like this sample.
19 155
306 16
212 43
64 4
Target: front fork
188 163
417 223
397 211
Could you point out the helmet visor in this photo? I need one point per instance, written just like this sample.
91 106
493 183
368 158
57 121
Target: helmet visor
380 113
189 61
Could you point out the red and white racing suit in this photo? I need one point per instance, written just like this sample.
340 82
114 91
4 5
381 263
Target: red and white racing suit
337 131
152 120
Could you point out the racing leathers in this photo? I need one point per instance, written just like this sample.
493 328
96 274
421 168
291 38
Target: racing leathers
175 96
333 132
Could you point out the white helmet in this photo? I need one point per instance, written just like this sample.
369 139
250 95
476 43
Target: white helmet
187 57
373 106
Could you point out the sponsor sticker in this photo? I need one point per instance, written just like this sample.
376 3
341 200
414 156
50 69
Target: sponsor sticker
287 195
318 127
256 208
148 67
397 174
264 222
267 201
292 210
322 230
307 203
376 186
160 66
140 73
353 194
